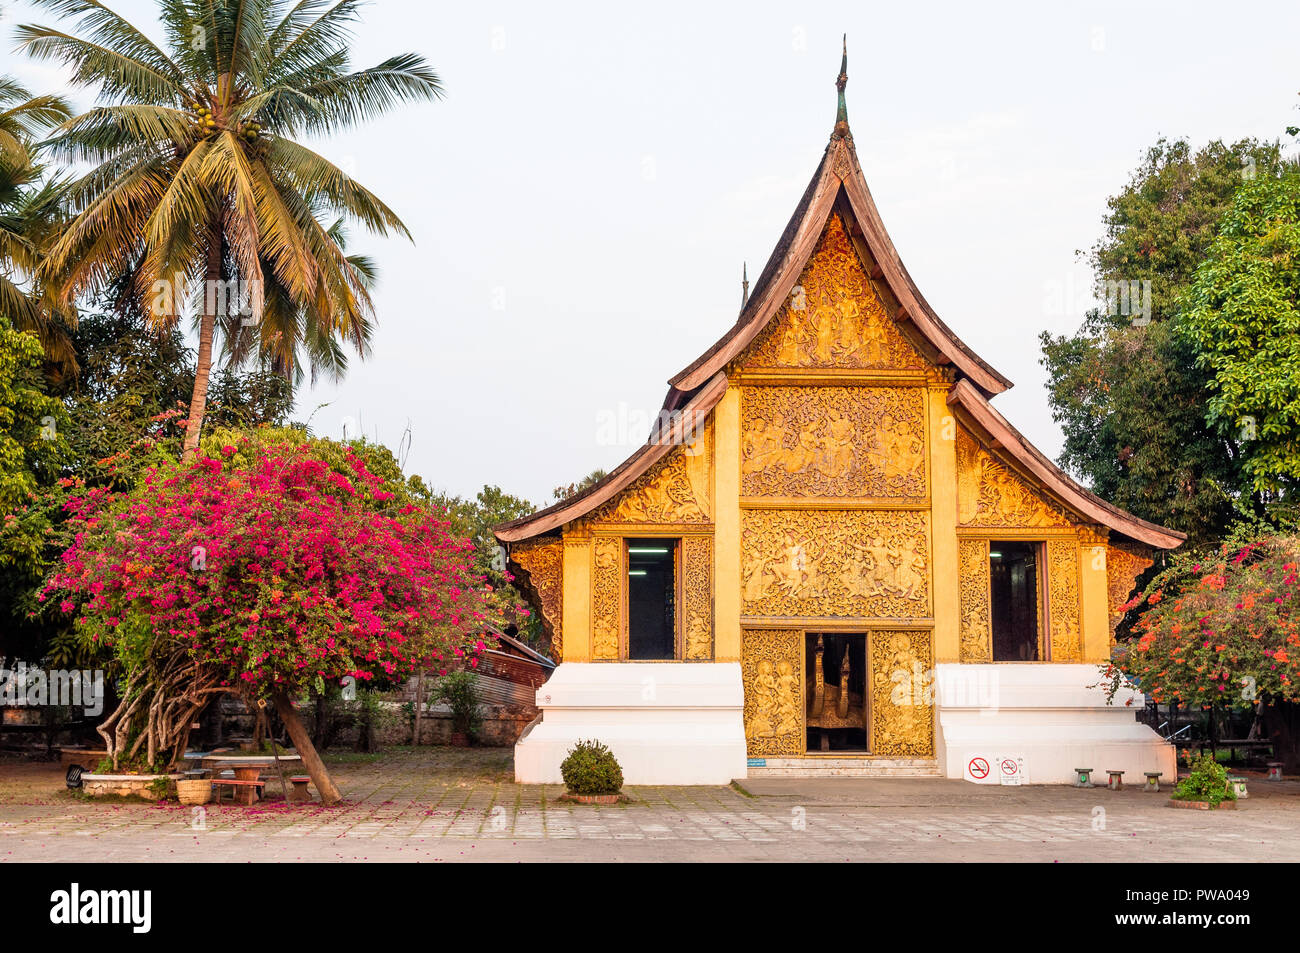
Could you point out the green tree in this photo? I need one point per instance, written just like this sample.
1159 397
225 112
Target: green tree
562 493
32 449
197 172
31 444
1129 395
28 216
1244 321
474 520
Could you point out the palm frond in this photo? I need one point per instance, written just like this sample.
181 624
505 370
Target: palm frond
367 93
100 134
317 178
119 77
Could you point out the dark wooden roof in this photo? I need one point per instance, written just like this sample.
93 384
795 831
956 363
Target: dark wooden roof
838 173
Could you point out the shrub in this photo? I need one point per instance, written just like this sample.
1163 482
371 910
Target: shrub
1207 782
591 768
460 691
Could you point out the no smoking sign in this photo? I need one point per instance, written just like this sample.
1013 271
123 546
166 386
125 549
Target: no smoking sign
986 769
1011 770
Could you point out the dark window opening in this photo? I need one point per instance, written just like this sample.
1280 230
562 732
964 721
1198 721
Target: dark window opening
1013 577
835 671
651 599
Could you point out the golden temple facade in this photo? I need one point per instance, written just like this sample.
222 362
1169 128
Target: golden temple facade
834 505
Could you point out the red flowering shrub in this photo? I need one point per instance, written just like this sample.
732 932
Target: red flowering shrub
272 564
1224 632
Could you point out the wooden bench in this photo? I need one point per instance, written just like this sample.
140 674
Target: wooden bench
300 794
255 788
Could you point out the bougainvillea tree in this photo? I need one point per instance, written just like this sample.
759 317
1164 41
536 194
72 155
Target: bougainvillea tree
1224 632
268 565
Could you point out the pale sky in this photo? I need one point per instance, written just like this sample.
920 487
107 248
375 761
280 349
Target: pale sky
582 200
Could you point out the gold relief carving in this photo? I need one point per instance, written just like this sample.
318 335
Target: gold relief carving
1124 563
833 317
990 494
771 662
606 597
835 563
675 490
1063 599
697 579
902 703
833 441
973 594
541 563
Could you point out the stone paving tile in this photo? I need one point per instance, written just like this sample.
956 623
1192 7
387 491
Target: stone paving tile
447 804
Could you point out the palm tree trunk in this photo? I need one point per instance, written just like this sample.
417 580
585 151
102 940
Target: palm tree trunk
207 325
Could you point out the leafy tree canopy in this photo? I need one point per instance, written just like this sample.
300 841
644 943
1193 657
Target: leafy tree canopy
1244 322
1129 395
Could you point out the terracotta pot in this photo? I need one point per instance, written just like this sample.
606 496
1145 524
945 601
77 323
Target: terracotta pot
459 739
594 798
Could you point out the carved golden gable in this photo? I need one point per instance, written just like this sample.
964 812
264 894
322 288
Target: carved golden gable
990 494
834 317
1124 563
541 565
678 489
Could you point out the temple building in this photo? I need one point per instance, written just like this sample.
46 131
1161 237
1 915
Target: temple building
833 555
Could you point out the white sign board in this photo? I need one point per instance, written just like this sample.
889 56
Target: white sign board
1011 769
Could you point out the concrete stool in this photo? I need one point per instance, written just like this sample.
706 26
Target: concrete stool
1116 780
1274 771
299 794
1153 781
1082 777
1238 785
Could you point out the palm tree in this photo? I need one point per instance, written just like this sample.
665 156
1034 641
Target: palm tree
28 217
198 180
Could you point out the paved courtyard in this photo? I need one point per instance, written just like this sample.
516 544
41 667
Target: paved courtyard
447 804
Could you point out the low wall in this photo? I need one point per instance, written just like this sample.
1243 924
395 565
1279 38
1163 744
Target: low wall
501 728
126 785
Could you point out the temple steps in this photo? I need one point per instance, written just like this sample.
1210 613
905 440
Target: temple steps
821 766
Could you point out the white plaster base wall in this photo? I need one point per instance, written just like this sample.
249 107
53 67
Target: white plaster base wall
667 723
1048 715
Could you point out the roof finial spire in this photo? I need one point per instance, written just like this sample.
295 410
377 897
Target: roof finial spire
744 285
842 113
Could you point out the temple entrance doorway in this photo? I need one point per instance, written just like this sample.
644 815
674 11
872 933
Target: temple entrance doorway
836 676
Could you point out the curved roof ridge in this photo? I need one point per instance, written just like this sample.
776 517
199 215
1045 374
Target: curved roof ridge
1056 480
838 170
689 419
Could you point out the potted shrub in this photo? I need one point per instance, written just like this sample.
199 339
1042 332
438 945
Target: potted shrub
591 774
1206 788
460 691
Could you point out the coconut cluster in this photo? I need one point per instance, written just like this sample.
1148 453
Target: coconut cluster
207 124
